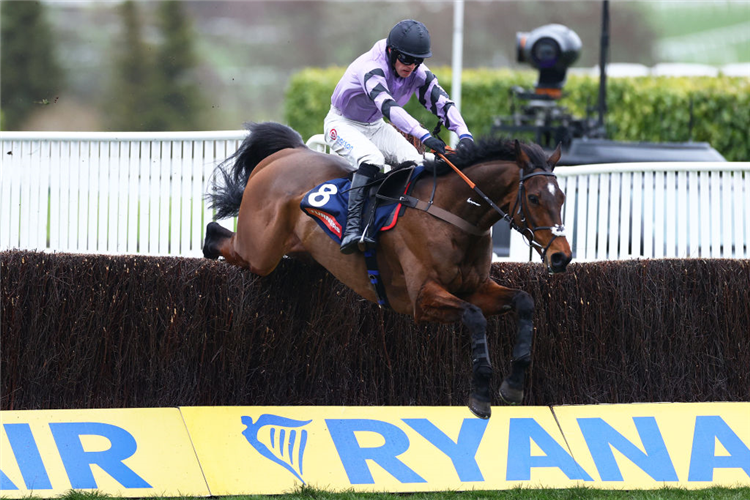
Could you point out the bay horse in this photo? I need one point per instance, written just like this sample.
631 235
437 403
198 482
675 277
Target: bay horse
432 270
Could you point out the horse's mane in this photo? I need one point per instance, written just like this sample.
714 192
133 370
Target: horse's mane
488 149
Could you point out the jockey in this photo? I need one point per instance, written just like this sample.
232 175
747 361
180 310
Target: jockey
377 84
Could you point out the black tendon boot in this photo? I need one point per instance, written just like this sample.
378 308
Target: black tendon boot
357 195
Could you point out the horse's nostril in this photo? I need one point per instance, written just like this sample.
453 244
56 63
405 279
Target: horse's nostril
559 261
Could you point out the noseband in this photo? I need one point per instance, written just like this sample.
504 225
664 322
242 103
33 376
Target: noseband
529 228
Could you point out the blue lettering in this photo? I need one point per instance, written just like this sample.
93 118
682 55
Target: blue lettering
520 461
354 457
703 460
601 438
463 452
78 462
6 483
27 457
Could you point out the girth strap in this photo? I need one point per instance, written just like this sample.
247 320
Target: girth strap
411 202
374 274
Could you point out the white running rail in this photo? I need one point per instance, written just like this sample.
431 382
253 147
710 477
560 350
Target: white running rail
656 210
118 192
648 210
127 193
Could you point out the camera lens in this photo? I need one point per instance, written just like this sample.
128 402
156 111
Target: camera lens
545 52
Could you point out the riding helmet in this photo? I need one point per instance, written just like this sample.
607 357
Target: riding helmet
410 37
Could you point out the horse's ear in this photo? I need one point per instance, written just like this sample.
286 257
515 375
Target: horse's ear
521 158
555 157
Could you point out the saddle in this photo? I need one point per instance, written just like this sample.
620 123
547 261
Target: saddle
327 203
387 190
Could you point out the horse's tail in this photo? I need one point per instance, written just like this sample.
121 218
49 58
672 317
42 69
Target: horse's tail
230 177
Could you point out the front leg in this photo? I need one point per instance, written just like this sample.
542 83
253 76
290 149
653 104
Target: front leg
480 399
435 303
511 390
494 299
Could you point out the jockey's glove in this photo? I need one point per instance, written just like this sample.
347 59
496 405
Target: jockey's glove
465 142
434 143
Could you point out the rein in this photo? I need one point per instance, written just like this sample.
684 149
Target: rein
527 230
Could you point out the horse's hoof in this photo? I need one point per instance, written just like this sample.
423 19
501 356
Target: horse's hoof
510 395
481 409
209 244
209 252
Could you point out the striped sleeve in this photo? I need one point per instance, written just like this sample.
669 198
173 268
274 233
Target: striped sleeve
376 87
437 101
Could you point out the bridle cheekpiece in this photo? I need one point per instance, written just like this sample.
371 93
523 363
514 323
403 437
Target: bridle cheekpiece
529 228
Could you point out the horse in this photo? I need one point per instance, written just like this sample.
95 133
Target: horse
431 269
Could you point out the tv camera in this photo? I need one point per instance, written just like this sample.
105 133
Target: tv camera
551 49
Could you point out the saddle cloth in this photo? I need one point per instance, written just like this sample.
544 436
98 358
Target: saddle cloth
327 204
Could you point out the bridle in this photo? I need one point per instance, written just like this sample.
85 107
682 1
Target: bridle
529 229
528 225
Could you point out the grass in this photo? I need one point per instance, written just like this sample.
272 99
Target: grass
306 493
686 18
693 19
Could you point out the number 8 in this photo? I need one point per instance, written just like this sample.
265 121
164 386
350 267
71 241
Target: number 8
321 197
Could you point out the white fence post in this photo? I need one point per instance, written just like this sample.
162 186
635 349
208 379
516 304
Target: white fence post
120 192
672 209
128 192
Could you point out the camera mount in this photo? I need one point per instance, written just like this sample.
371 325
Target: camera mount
551 49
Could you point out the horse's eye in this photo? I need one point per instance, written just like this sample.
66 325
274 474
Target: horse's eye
533 199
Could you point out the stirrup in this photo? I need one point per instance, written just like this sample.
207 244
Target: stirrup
365 243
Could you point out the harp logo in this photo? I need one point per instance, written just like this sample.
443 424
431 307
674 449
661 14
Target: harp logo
279 439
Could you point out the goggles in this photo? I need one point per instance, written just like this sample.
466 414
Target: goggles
409 60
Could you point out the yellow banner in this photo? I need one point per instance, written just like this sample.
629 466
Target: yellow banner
689 445
267 450
128 453
200 451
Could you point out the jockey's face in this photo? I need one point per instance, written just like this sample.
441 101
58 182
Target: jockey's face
404 70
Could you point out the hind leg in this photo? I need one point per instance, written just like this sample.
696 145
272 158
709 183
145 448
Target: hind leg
216 234
219 243
258 245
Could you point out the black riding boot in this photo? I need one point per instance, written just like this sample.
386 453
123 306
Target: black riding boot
357 195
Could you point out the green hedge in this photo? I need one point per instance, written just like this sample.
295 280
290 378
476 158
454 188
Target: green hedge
640 109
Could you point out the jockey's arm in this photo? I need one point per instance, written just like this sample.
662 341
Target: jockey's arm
377 89
438 102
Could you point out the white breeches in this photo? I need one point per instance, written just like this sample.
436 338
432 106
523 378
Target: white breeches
377 143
